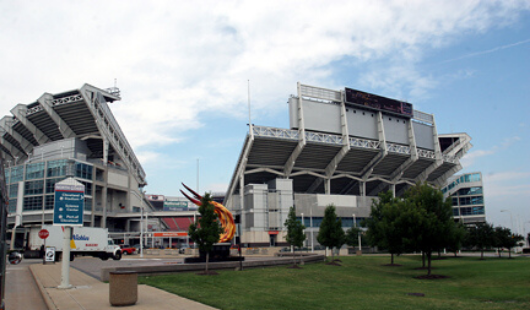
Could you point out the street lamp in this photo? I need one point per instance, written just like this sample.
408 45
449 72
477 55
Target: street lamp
303 231
311 225
358 233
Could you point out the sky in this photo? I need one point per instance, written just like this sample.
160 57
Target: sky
184 70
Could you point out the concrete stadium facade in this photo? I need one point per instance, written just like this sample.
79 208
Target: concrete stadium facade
342 147
72 133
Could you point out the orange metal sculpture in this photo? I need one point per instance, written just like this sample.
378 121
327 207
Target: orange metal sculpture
225 217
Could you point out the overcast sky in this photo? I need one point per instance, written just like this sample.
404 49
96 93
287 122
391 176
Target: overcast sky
183 66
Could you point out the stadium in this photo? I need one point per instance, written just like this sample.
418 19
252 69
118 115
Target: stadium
342 147
72 133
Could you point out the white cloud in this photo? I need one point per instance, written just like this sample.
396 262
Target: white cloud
177 60
509 183
469 159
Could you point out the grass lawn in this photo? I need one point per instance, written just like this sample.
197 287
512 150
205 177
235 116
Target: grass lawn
362 283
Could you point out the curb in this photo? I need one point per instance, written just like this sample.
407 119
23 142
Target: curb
43 292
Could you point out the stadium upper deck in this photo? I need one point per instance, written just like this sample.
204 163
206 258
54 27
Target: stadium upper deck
348 143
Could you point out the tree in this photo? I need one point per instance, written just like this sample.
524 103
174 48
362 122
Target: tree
386 224
512 241
330 233
352 236
295 231
206 231
500 236
434 220
458 235
482 237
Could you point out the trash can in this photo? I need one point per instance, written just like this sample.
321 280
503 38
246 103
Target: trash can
123 288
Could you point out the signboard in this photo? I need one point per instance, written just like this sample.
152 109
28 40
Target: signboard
44 233
69 203
168 234
378 102
49 254
175 206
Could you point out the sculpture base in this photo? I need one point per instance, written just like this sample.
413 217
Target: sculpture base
219 253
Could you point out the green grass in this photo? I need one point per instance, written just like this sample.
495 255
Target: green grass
362 283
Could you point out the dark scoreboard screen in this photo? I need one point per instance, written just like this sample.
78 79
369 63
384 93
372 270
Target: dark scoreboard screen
377 102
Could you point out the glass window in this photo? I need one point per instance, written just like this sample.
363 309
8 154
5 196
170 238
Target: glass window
50 185
32 203
472 210
88 204
34 187
56 168
13 191
83 171
35 171
17 174
88 188
454 201
455 212
49 202
12 206
470 191
472 200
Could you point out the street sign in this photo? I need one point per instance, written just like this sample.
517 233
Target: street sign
49 254
69 203
44 233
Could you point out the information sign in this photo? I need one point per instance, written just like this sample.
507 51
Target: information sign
69 203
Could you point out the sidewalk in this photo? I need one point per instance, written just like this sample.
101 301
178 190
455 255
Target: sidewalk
88 293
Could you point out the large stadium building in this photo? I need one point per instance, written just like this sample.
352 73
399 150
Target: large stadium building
75 134
342 147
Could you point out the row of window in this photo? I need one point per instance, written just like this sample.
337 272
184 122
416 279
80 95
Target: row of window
468 211
469 191
35 203
346 221
55 168
466 178
38 188
471 200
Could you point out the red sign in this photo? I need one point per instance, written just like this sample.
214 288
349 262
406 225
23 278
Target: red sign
43 233
170 234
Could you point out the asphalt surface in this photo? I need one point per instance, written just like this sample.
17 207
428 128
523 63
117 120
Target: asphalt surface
21 291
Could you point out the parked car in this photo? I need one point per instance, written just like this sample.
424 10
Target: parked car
127 249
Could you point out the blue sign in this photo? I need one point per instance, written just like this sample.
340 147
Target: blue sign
69 203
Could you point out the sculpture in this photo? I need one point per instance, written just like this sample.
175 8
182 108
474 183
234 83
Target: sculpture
225 217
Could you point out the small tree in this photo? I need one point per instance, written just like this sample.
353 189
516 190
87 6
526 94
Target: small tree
207 230
500 237
513 241
387 224
352 236
458 235
435 219
295 231
482 237
330 233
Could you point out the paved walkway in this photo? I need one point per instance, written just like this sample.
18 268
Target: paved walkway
88 293
21 292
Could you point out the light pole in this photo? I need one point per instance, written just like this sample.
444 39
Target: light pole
311 224
303 231
358 233
141 231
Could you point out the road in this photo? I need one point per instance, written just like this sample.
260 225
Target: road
21 291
